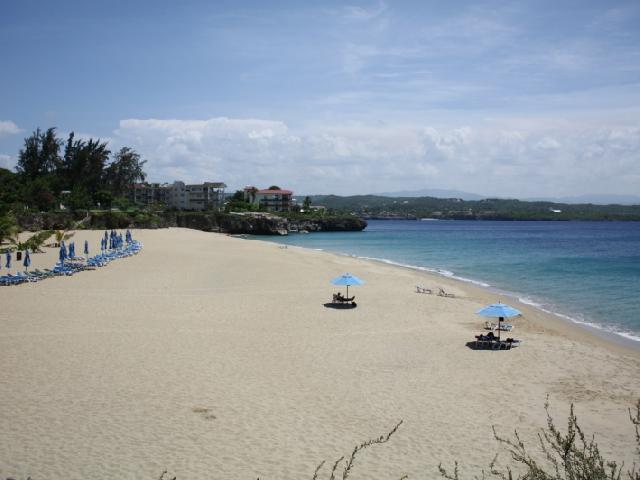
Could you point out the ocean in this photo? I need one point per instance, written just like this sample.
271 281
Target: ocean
585 272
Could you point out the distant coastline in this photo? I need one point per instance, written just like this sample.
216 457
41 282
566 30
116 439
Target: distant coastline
412 208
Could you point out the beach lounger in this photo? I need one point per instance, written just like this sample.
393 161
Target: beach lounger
339 299
442 293
504 327
420 289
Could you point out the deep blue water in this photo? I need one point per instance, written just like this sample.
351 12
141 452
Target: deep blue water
586 271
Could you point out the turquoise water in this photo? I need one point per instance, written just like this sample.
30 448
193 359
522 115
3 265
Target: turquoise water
587 272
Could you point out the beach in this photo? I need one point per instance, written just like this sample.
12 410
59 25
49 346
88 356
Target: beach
211 356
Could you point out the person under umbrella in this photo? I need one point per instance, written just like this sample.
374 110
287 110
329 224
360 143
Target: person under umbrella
499 311
27 260
347 279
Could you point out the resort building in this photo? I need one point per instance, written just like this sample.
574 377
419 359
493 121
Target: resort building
203 196
146 194
272 199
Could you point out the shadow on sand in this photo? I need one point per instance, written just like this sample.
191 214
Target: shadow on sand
341 306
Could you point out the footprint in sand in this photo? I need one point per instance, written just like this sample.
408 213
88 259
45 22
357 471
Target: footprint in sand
204 412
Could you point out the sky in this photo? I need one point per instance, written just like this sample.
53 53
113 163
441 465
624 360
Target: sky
501 98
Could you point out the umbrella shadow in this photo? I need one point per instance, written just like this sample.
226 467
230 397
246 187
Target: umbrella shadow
340 306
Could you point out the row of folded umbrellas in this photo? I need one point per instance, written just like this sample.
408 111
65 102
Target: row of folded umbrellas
110 241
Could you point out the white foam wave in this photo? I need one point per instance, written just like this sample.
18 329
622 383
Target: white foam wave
439 271
611 329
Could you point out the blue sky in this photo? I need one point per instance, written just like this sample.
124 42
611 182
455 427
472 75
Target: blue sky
511 98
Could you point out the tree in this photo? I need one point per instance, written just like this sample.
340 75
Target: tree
8 227
40 155
253 191
84 164
10 189
39 193
125 169
306 204
104 198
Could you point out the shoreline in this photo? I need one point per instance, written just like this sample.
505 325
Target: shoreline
566 323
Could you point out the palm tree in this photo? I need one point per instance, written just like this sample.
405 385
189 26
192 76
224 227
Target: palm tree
62 235
253 191
8 227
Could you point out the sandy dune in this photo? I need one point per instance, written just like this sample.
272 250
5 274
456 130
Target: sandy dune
214 357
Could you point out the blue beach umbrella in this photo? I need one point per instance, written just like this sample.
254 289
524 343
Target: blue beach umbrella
72 250
499 311
347 280
63 252
8 257
86 247
27 260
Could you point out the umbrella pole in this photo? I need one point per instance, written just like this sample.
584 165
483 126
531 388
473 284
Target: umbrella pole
499 324
347 291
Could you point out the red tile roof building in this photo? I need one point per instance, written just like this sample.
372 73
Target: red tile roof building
271 199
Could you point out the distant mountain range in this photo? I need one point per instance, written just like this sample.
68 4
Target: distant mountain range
433 192
595 199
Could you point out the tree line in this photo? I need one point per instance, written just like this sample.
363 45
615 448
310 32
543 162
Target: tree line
81 174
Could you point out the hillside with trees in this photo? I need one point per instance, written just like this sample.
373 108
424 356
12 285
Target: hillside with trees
375 206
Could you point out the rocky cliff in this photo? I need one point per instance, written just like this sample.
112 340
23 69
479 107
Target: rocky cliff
248 223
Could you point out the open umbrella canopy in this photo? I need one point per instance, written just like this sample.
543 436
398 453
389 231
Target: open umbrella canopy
347 279
498 310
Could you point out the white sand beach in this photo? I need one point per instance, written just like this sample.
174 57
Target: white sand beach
214 357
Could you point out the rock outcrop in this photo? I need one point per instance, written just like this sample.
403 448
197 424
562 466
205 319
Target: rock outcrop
234 223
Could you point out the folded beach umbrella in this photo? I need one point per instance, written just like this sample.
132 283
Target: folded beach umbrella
347 279
27 260
499 311
86 247
8 257
72 250
63 253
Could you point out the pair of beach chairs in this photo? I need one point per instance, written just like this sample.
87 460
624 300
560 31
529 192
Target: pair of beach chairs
441 292
502 326
489 342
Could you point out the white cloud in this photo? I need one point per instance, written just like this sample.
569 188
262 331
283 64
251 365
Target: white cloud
7 161
357 13
7 127
523 158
